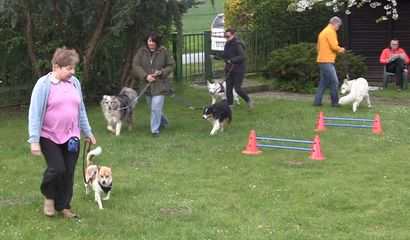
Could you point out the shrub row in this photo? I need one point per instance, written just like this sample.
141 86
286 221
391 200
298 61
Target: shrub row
294 67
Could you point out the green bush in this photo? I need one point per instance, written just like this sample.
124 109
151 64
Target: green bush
294 68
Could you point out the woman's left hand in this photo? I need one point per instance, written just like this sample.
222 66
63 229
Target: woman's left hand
91 139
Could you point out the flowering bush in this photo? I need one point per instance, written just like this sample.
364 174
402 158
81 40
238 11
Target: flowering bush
390 6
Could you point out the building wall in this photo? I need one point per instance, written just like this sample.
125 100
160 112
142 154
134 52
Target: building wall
366 37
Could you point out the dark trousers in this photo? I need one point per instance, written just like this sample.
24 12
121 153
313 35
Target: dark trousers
234 80
58 178
397 67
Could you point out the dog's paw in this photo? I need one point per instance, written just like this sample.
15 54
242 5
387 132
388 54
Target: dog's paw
106 198
111 129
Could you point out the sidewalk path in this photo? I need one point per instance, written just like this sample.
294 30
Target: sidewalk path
261 90
326 98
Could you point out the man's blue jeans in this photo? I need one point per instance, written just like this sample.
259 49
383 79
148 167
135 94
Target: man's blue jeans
158 118
327 76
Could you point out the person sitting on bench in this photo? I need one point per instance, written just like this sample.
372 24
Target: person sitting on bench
395 60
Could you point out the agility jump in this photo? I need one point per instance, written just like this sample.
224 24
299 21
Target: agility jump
253 148
321 125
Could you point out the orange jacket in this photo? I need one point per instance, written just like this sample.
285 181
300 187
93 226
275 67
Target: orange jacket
387 52
327 45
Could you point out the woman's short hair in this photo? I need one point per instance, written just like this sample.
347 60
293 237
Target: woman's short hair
65 57
155 37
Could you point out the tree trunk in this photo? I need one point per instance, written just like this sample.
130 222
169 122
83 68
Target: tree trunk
127 75
30 39
95 41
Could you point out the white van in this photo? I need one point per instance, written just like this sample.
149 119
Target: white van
217 33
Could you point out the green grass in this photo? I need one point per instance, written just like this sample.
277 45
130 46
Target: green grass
199 19
391 92
190 185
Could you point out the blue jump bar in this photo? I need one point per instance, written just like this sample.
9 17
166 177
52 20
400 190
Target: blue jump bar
284 140
349 119
347 125
283 147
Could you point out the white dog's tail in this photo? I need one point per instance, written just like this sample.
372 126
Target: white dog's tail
348 99
91 154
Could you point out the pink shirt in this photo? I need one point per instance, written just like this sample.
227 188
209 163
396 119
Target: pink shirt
62 112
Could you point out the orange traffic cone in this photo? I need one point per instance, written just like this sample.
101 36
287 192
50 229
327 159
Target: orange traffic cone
251 148
320 125
316 152
377 125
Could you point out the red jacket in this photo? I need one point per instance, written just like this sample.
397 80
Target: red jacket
387 52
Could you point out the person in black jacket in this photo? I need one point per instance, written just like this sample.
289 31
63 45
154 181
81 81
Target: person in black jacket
234 57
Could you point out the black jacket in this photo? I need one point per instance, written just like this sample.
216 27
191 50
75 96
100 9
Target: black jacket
234 51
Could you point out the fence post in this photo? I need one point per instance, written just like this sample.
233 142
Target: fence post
207 52
177 53
256 47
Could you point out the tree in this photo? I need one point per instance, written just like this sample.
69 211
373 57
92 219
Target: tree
93 27
389 5
261 14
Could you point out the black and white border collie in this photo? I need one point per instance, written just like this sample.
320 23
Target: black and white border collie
218 113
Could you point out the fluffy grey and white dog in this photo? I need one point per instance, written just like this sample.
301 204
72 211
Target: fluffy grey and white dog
119 109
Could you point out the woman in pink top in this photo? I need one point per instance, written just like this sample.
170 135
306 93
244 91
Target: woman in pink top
56 117
395 59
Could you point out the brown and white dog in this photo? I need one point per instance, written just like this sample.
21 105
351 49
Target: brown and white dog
98 177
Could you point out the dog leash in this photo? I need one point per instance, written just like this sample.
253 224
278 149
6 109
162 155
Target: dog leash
230 70
88 150
138 97
346 66
178 99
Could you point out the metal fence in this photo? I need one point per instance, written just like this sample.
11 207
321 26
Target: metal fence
192 51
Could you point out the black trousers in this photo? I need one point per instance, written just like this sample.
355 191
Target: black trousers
397 67
234 80
58 178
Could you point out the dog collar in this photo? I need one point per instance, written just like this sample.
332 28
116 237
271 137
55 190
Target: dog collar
221 88
106 189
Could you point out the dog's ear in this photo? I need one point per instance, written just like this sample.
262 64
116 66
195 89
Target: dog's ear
345 80
208 83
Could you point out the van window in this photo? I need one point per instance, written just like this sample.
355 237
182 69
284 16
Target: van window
218 22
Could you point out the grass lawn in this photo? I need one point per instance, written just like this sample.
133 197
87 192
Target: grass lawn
190 185
198 20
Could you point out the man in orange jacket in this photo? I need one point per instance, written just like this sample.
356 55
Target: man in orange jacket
395 59
327 48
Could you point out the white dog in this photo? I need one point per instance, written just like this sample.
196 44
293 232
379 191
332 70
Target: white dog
358 90
98 177
217 89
